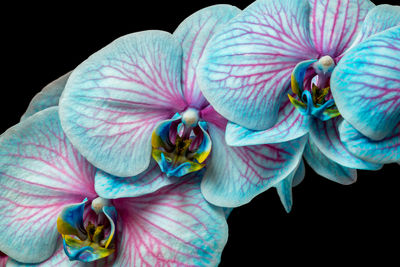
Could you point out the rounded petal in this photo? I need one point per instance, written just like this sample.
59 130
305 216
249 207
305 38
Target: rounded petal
48 97
325 136
378 19
235 175
284 187
115 98
334 25
291 125
40 173
366 85
326 167
383 151
149 181
173 226
246 68
193 34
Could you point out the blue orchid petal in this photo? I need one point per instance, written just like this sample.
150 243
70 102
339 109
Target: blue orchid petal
235 175
48 97
113 100
291 124
334 24
325 136
245 70
193 34
383 151
378 19
365 85
41 172
326 167
173 226
111 187
284 187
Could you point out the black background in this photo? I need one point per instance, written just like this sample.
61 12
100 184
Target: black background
328 223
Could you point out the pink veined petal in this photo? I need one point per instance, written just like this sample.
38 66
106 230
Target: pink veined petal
334 24
60 259
211 116
366 84
378 19
48 97
113 100
246 68
326 167
382 151
40 173
149 181
325 136
193 34
174 226
291 124
235 175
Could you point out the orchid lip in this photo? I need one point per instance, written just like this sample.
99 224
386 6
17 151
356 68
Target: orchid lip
88 241
181 145
314 100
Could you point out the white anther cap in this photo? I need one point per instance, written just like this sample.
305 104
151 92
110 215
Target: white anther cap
190 117
324 66
326 61
99 203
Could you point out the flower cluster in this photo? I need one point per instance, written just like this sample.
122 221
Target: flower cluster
138 155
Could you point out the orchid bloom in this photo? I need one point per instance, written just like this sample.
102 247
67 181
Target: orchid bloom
51 213
284 69
138 98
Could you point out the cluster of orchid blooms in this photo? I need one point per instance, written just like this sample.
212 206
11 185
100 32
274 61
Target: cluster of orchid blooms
137 156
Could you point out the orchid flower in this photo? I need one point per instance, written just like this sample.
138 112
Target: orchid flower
138 98
271 69
48 197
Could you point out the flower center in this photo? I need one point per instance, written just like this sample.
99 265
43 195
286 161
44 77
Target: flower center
88 234
311 83
181 145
